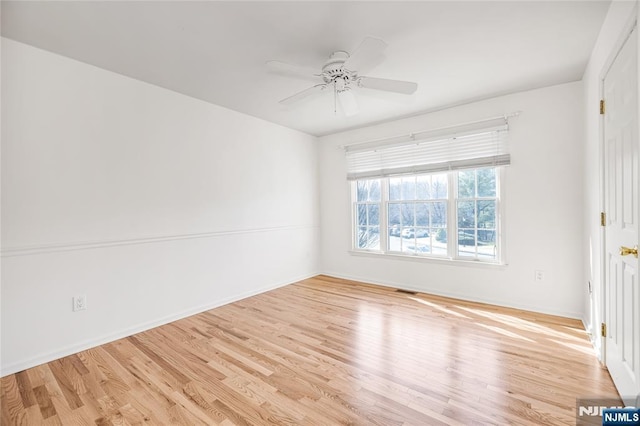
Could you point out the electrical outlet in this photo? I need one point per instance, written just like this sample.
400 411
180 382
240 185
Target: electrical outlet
539 275
79 303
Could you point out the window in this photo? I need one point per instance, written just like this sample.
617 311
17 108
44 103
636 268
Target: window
431 194
452 215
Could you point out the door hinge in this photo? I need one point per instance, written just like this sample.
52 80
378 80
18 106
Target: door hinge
602 106
603 330
603 219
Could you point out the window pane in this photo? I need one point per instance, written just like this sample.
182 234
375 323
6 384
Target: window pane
486 214
368 238
408 232
423 188
407 210
422 214
395 240
374 190
439 214
487 244
421 234
408 247
439 241
373 240
361 189
409 188
418 248
487 183
439 251
361 214
466 214
486 236
467 242
363 237
394 215
467 184
395 227
439 186
394 188
374 214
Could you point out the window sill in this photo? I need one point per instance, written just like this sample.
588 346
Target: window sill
441 261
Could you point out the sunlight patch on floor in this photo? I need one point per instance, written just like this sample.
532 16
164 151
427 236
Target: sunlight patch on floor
438 307
588 350
505 332
524 325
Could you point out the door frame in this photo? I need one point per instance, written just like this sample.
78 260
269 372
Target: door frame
632 23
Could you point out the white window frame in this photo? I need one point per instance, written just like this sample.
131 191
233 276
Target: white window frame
452 223
355 226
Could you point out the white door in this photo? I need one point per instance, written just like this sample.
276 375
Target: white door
621 232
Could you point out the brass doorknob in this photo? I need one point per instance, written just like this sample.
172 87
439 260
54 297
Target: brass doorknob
624 251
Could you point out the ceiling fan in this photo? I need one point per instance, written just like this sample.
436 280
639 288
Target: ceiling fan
341 73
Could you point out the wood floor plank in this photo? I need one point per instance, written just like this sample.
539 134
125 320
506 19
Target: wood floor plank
166 365
15 410
44 401
204 399
324 351
26 389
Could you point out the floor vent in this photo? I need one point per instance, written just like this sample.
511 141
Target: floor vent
400 290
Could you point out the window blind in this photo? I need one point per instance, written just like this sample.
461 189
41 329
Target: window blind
479 144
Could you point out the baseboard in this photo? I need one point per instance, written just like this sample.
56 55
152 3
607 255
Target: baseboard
490 301
587 329
92 343
593 339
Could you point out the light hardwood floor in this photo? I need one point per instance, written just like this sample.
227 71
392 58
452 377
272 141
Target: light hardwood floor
320 352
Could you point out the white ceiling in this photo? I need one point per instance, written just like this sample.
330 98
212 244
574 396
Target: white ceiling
215 51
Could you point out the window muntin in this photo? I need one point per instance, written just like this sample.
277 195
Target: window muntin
450 215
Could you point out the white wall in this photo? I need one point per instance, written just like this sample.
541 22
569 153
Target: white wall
153 204
614 29
543 207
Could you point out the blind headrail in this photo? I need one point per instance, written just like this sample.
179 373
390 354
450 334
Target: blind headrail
431 133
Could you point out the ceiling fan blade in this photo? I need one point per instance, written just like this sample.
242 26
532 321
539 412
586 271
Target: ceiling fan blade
398 86
368 53
301 95
284 68
348 103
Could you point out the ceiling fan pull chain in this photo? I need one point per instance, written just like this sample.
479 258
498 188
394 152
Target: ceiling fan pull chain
335 98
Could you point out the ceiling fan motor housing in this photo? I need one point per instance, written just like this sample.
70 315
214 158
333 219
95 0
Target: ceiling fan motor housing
333 71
